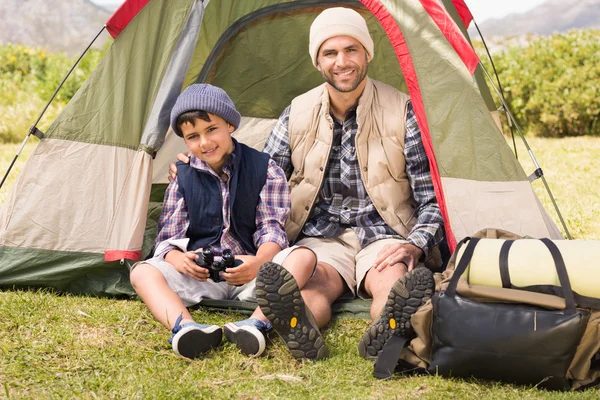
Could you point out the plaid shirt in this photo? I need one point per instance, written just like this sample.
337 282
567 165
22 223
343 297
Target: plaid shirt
271 213
343 201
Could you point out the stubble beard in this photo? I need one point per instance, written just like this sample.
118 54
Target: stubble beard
362 73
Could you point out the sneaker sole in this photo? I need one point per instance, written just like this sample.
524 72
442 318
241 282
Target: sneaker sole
192 342
251 342
408 293
279 298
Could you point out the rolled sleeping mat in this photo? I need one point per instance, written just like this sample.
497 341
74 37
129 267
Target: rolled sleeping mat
531 267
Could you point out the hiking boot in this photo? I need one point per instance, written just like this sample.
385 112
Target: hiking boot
248 335
279 298
408 293
191 340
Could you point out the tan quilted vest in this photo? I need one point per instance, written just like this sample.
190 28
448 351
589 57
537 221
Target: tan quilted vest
381 117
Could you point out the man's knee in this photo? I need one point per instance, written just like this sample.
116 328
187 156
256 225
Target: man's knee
326 282
301 263
377 282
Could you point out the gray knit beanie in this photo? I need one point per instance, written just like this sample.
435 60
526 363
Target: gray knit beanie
205 97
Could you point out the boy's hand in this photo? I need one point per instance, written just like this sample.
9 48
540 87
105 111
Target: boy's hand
185 263
244 273
173 166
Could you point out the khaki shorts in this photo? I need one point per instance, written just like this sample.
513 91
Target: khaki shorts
345 255
192 292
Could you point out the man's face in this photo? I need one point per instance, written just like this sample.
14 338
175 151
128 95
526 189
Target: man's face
209 141
343 62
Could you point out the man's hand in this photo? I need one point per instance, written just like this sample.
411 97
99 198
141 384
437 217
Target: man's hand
184 263
405 253
173 167
244 273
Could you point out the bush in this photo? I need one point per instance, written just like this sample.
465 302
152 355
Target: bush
28 78
552 85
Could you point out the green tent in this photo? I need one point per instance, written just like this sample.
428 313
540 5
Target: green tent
91 191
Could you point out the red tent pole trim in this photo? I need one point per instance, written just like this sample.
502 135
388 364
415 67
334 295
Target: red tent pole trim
124 14
452 33
463 12
115 255
404 58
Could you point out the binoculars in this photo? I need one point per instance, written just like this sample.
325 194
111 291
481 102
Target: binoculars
207 258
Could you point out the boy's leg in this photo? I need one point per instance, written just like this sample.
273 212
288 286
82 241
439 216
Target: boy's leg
189 339
164 304
396 294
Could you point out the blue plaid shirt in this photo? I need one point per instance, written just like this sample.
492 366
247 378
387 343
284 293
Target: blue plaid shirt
343 201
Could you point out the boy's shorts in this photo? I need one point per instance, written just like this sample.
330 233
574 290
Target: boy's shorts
345 254
193 292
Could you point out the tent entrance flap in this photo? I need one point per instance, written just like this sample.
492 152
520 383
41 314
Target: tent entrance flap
267 52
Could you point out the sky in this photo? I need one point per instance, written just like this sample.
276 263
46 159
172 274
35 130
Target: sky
481 9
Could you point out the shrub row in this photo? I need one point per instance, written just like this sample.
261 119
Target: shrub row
28 78
552 85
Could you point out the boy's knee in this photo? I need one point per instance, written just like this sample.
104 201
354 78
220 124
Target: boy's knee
138 274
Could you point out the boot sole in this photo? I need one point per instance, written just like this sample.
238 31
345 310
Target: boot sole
408 293
279 298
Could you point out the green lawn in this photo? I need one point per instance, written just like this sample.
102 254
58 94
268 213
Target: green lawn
65 346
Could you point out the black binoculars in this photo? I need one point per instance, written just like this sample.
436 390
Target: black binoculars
207 259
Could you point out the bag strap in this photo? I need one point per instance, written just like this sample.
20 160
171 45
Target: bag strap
388 358
462 265
504 274
559 264
563 276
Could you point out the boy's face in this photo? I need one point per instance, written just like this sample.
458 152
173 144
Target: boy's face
209 141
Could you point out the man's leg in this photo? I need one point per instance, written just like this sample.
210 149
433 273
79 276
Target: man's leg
397 295
378 286
322 291
297 298
248 335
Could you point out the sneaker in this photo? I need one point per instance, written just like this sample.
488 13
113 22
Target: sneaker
248 335
408 293
279 298
191 340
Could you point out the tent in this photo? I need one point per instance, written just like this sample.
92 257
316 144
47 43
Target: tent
90 193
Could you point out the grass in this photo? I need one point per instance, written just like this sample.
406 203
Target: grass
63 346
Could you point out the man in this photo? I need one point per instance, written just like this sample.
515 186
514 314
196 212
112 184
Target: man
362 197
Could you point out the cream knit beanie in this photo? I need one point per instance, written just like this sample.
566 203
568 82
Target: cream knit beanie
338 21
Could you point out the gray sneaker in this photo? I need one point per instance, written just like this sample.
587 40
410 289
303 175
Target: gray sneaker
279 298
191 340
408 293
248 335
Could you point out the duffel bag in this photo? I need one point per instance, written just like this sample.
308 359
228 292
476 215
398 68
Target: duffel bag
502 333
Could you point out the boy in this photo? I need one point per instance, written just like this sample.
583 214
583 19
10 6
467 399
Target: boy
229 196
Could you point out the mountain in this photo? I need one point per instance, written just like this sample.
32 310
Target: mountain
545 19
58 25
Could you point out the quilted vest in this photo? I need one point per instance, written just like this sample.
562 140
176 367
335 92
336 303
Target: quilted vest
381 117
202 193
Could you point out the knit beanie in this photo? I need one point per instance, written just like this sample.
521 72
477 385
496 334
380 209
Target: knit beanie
338 21
205 97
